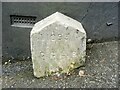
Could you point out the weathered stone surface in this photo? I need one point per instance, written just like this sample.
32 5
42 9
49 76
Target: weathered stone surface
58 44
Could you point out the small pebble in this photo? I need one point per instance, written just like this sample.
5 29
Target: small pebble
58 74
92 81
81 73
11 86
28 57
9 61
88 56
6 63
33 80
72 66
109 23
89 40
68 74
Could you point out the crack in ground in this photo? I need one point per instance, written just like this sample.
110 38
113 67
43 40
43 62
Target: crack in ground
89 7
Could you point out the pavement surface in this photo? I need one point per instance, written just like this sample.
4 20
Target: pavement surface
99 71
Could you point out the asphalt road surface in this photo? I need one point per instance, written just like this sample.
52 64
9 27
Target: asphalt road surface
99 71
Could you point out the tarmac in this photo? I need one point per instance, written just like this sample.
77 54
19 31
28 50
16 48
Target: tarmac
99 71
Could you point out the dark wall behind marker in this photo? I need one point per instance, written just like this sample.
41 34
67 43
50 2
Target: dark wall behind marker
100 21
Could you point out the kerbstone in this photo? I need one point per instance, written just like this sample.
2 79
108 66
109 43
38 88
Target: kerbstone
58 44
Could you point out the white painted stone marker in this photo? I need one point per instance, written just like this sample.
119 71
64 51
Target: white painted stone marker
58 44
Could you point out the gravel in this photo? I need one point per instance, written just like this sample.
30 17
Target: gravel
99 71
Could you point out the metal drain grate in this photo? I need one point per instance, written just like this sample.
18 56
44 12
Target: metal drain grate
22 21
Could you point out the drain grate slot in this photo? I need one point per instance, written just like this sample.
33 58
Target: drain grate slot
22 21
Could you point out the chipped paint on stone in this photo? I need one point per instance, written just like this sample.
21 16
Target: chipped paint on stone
58 44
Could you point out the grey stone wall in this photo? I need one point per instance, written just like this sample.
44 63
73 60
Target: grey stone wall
93 16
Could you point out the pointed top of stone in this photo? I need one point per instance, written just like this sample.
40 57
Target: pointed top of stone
57 17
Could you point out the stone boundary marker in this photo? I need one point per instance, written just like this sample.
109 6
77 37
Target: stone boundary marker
58 44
